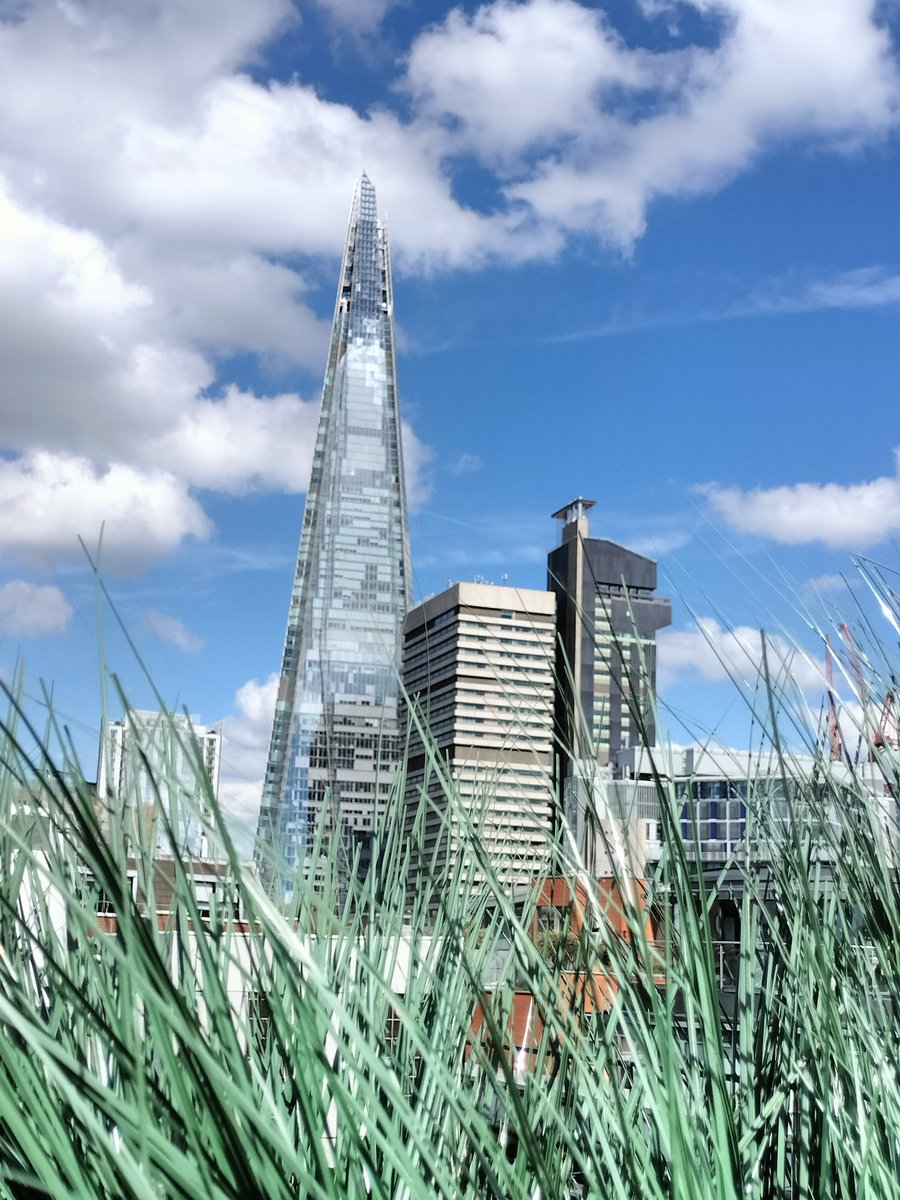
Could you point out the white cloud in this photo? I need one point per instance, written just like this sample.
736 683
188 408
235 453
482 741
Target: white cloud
843 516
629 126
418 462
115 125
518 76
139 124
160 207
49 500
357 17
96 362
32 610
94 373
864 287
830 583
240 442
659 545
713 654
466 464
170 629
78 340
245 746
234 302
871 287
145 185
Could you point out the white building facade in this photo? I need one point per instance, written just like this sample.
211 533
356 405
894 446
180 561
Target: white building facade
146 752
478 664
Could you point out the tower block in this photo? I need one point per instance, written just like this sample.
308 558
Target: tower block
335 738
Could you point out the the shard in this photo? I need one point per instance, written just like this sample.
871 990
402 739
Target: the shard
335 739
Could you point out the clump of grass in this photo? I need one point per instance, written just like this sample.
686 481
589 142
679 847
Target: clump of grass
364 1043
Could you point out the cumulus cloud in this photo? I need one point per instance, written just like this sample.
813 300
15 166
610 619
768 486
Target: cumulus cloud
632 126
713 654
162 208
245 745
179 159
101 397
148 188
49 500
241 442
170 629
32 610
513 77
843 516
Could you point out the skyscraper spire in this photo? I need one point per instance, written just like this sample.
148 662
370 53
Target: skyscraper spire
334 737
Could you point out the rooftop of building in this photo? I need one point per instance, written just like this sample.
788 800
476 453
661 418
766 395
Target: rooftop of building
489 597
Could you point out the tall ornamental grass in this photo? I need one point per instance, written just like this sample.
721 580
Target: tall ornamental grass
363 1042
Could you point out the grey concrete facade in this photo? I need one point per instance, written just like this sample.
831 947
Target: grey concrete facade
607 619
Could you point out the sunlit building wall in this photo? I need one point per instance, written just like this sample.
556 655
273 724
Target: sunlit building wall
478 669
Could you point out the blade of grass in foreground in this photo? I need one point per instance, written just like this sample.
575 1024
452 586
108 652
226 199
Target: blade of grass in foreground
369 1041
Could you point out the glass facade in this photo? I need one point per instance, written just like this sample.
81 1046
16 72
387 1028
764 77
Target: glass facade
335 739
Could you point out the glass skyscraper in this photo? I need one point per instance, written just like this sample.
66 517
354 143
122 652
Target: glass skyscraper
335 739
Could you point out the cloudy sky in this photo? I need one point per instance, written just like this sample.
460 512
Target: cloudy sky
645 251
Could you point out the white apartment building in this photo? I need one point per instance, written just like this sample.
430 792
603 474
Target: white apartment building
145 751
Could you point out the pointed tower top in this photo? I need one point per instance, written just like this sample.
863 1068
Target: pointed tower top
364 197
365 264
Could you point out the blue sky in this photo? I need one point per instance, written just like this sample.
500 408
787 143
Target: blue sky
644 251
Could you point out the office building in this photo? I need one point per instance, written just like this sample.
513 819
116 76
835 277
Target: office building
478 665
151 758
334 742
607 619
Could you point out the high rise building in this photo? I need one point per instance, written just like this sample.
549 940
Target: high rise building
148 757
478 664
335 740
607 619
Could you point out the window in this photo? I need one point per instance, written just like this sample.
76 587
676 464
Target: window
259 1022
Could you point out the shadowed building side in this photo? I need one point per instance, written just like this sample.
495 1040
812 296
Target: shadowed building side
607 619
335 741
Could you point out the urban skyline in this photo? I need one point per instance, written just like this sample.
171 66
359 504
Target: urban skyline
667 285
